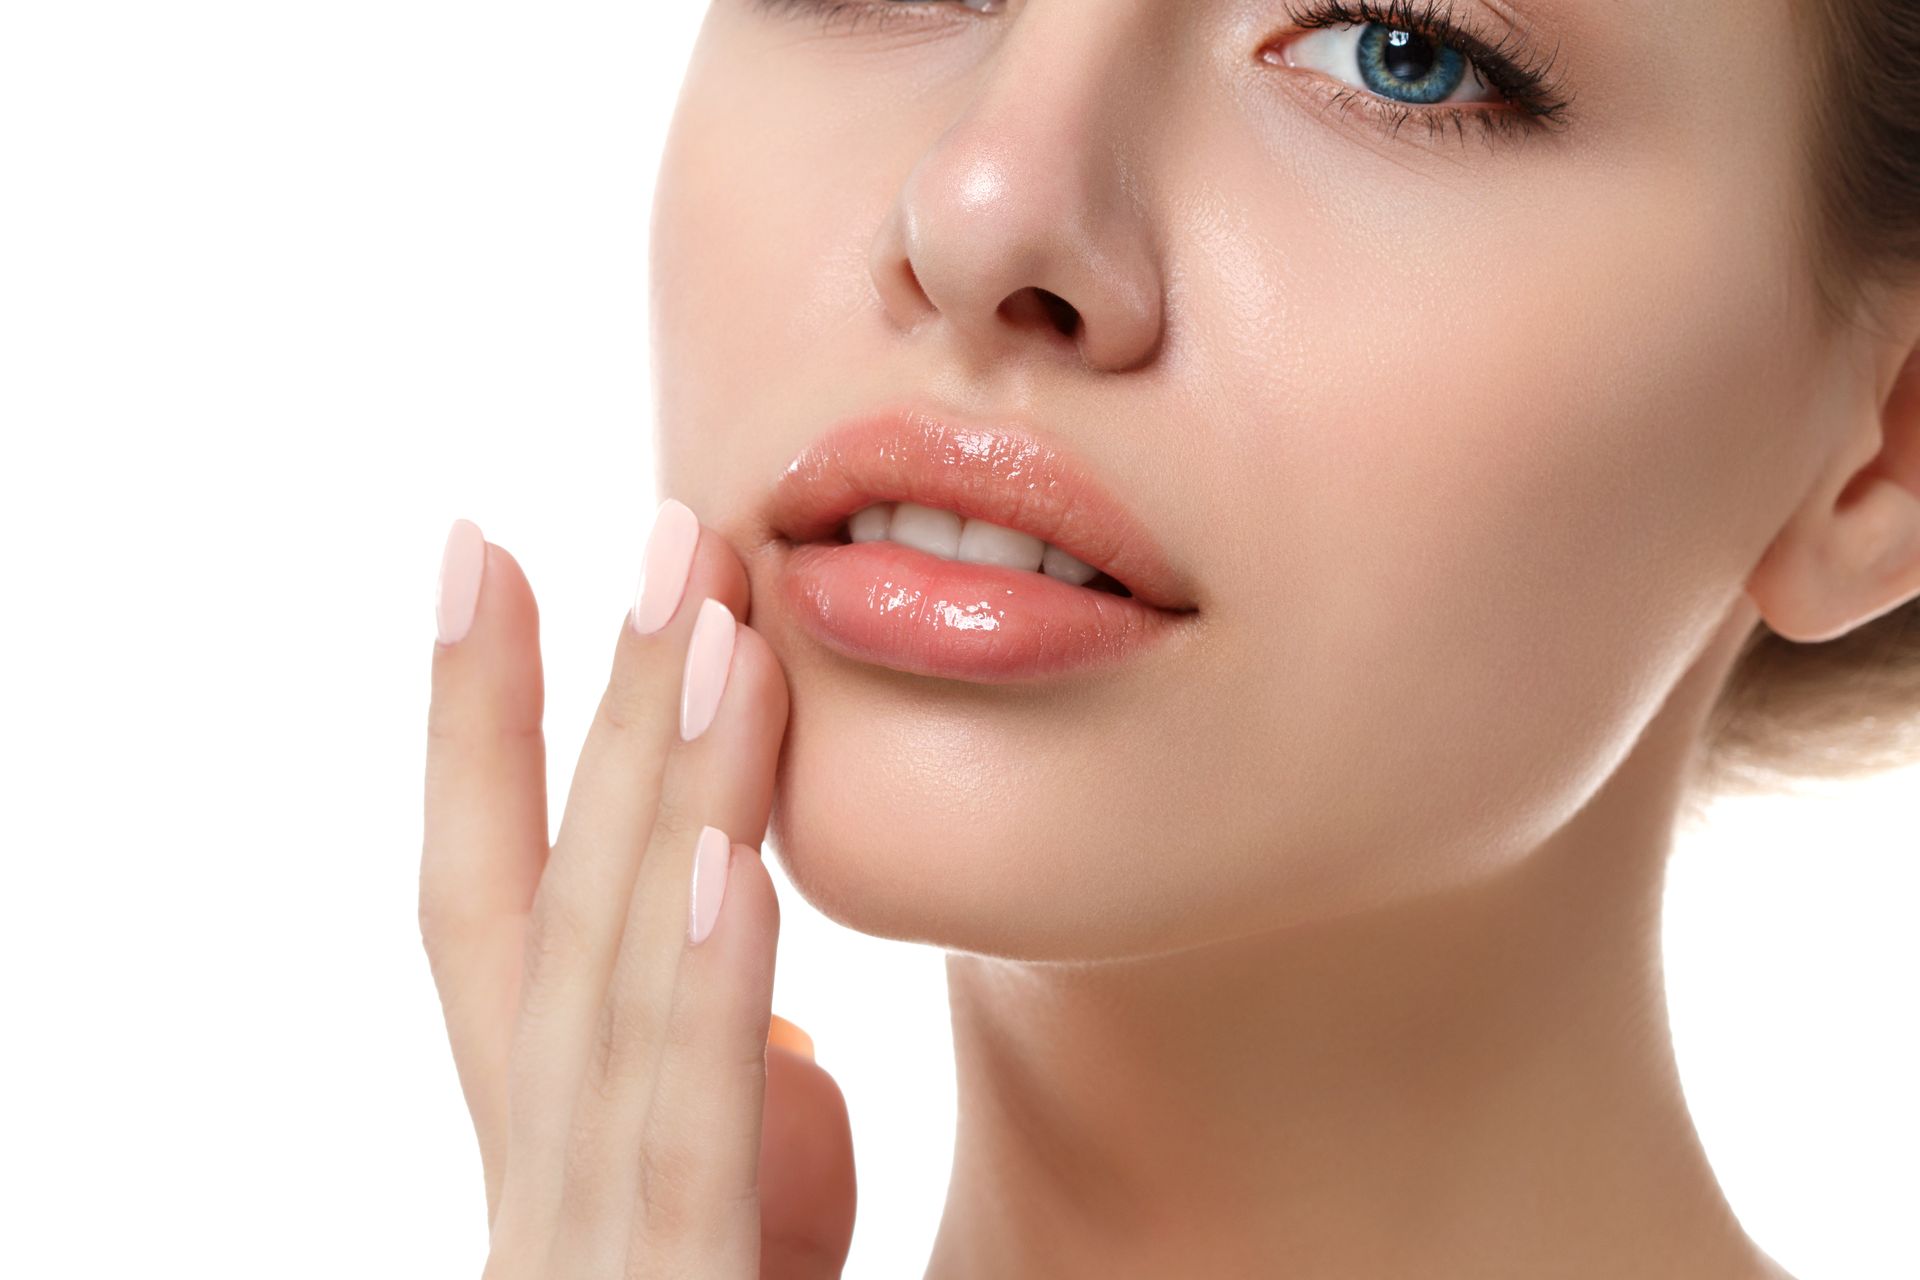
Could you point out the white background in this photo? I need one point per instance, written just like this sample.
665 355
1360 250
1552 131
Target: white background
285 288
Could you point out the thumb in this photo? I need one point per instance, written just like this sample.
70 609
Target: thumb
806 1168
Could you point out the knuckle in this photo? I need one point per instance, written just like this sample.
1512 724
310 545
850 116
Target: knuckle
604 1061
625 711
688 1035
620 1039
555 940
449 716
505 715
746 1060
439 921
684 1031
669 1174
674 825
586 1181
427 916
638 698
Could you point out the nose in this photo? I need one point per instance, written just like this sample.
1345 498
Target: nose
1024 225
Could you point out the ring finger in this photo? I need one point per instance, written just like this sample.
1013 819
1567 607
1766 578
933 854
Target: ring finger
579 907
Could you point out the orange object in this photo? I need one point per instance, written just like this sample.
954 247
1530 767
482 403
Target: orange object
789 1037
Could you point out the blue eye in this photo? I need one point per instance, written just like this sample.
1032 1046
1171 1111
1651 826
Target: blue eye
1394 61
1397 64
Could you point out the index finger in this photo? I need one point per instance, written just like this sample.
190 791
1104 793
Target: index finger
485 833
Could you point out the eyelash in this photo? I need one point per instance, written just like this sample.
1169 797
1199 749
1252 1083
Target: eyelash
1529 85
1538 101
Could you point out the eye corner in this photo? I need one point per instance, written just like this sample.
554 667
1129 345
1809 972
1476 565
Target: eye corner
1278 49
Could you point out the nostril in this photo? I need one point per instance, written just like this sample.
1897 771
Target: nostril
1040 305
1064 313
1065 317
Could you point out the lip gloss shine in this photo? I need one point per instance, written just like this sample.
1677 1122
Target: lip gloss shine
907 609
897 606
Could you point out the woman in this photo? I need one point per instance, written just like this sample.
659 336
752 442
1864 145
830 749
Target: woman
1246 524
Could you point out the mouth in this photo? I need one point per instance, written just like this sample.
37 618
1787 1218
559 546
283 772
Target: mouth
947 535
980 553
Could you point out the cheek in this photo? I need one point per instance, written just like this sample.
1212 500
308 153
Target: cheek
769 193
1060 825
736 278
1499 499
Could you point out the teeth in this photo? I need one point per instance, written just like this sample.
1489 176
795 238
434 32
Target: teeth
869 524
1058 564
983 543
926 529
944 534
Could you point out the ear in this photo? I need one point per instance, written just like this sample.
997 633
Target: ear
1851 552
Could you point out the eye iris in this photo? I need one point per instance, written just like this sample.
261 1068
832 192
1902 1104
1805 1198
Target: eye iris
1406 64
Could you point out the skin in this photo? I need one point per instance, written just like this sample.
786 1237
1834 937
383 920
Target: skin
1485 454
634 1116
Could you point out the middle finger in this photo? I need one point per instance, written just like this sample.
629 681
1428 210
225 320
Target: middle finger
574 925
722 779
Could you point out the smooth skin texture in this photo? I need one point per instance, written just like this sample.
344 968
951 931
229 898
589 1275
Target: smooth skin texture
1326 943
633 1118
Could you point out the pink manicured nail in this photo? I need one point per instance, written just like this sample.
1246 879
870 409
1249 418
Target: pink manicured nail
709 656
710 857
669 559
461 566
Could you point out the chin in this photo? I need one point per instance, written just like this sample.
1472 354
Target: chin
1039 831
928 816
1147 811
925 815
898 845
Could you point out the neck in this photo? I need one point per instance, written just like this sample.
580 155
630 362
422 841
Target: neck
1476 1083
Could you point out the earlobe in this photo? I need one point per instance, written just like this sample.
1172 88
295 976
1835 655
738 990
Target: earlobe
1851 553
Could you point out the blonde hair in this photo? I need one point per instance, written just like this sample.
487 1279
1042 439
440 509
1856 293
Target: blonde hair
1848 706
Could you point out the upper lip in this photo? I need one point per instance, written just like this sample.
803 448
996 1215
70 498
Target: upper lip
1000 472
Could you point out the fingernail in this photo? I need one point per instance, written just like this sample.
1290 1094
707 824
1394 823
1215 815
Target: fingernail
788 1035
461 565
709 655
710 856
668 561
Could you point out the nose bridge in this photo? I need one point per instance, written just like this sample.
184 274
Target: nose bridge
1035 186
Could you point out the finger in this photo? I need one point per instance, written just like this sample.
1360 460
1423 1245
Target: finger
698 1205
807 1192
722 780
579 907
485 830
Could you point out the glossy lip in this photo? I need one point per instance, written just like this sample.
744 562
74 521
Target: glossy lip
1001 473
906 609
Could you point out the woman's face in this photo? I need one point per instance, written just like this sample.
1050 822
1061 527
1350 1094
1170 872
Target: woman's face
1466 437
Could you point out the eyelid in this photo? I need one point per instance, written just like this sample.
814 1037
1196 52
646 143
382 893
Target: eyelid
1343 58
855 14
1514 60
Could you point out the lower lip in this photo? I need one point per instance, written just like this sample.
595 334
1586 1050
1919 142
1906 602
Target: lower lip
897 607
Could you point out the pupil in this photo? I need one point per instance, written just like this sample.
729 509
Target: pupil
1408 56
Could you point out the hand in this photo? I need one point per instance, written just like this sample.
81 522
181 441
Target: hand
616 1069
